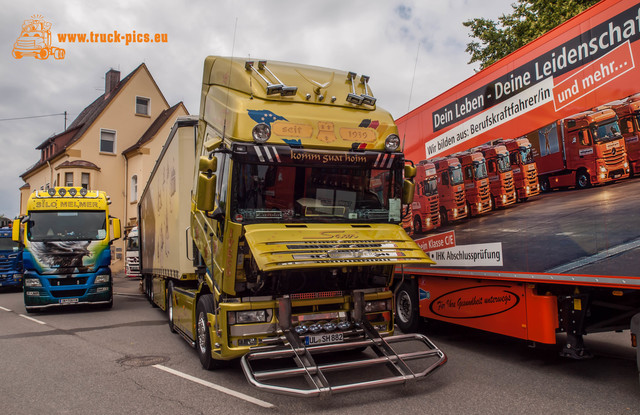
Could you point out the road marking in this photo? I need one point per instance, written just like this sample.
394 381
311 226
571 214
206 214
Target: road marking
581 262
216 387
32 319
4 309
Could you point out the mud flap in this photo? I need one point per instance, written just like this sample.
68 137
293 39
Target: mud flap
335 368
635 331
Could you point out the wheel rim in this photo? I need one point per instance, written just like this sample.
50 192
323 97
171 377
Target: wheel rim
202 333
404 306
582 180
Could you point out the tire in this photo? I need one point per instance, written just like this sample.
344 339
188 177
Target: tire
444 219
170 307
544 185
417 225
582 180
407 314
43 54
203 335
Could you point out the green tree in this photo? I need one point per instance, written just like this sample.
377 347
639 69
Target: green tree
530 19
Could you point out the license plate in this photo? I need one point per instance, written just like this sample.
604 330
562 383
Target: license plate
68 300
323 338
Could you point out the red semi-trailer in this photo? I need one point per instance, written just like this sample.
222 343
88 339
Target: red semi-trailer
539 286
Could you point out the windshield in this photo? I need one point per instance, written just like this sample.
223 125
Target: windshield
430 187
479 170
526 155
503 163
132 243
456 175
7 244
67 226
606 132
301 193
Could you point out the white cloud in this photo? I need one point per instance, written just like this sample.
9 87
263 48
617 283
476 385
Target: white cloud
378 38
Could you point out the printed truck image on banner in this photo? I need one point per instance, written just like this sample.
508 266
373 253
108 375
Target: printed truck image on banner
533 161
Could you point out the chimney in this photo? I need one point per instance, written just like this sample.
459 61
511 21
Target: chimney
111 80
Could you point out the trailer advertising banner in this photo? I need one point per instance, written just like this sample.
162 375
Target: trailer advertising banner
562 108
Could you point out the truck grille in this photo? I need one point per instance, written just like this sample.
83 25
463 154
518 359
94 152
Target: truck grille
614 158
67 293
459 199
56 282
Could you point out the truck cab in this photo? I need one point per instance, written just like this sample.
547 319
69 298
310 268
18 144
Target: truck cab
525 172
426 205
595 148
67 234
451 190
476 182
10 260
501 182
628 111
132 254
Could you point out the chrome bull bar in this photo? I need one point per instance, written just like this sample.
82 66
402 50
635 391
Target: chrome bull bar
342 372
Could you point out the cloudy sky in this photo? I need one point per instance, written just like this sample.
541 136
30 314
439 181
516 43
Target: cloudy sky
389 40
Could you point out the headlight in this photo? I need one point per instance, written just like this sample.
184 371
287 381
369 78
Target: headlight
249 316
102 278
32 282
374 306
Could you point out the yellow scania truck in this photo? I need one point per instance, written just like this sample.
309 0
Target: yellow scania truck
67 234
270 230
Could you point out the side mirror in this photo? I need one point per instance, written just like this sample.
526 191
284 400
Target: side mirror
409 171
408 190
117 229
15 231
206 192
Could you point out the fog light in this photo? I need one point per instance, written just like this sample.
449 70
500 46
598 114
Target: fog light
315 328
344 325
102 289
247 342
33 293
330 326
301 329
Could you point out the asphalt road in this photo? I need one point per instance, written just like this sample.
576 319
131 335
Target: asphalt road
592 231
125 360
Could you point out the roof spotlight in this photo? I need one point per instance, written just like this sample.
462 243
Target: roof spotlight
62 191
72 192
261 133
392 142
51 191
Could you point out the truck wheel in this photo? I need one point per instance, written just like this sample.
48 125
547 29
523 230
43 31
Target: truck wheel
544 185
170 307
417 225
583 181
444 220
407 317
203 335
43 54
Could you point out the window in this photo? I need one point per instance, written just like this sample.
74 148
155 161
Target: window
68 179
107 141
85 181
142 105
134 188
